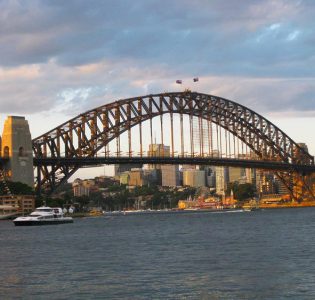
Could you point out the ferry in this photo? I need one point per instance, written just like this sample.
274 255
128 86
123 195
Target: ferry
43 215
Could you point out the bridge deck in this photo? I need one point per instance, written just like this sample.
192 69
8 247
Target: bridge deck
212 161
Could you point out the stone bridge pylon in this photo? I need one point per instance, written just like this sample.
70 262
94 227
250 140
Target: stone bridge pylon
16 150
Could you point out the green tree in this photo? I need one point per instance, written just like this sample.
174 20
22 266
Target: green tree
54 202
82 201
17 188
241 191
116 188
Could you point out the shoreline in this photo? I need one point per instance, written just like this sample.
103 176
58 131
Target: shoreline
130 212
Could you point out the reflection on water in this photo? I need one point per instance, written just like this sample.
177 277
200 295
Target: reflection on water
256 255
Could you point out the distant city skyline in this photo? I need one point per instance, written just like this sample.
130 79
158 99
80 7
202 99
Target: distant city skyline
61 58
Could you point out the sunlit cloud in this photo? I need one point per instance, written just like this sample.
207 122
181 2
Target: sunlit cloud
28 72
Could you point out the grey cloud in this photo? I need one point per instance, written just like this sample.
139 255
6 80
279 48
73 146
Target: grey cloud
156 42
271 95
178 32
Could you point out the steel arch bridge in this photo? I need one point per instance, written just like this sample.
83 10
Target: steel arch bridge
213 125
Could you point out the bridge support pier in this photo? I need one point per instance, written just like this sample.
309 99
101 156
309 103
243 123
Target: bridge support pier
17 147
39 179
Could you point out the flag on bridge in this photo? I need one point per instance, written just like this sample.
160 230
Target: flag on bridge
196 79
179 81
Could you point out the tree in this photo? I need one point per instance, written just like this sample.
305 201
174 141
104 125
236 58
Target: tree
82 201
241 191
17 188
54 202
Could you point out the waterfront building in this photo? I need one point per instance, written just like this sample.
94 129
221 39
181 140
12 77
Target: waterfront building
25 204
82 187
275 199
200 203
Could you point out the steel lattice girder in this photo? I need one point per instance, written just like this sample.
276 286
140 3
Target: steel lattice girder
94 129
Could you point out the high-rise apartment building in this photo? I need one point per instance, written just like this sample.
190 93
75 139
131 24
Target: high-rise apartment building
265 183
241 175
194 178
158 150
221 179
119 169
170 175
236 174
136 177
210 176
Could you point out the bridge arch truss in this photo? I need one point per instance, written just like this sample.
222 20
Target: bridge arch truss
90 132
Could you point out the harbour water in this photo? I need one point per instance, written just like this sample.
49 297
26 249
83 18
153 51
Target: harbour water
242 255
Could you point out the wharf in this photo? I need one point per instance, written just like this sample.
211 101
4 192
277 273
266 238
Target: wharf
287 205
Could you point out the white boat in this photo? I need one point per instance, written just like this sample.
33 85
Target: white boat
43 215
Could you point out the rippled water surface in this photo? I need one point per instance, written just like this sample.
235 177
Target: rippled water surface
266 254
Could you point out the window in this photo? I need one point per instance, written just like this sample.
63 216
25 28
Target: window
21 152
6 151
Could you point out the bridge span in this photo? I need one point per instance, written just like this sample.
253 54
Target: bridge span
193 128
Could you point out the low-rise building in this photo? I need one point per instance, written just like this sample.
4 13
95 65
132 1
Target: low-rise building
82 187
24 203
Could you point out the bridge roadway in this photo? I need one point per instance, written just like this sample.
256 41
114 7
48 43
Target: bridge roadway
178 160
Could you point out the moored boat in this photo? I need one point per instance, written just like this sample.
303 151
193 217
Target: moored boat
43 216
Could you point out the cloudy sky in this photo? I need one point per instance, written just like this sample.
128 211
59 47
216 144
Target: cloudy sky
59 58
